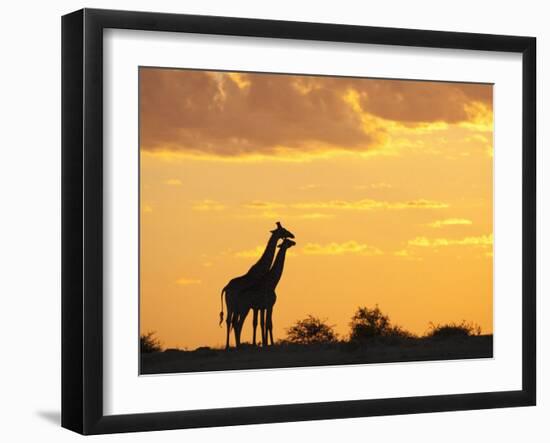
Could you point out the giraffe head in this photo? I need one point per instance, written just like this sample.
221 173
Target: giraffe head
287 243
281 232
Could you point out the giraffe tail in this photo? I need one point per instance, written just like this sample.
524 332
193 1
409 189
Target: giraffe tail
221 302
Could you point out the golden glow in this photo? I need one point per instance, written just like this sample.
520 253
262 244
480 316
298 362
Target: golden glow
369 204
349 247
239 80
387 186
188 281
483 240
173 182
208 205
450 222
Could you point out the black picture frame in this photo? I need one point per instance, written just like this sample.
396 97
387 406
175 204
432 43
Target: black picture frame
82 219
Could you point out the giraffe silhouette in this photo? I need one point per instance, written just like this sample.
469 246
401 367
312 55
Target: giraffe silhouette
261 297
235 286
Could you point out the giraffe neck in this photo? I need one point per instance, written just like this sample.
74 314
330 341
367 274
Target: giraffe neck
261 267
276 271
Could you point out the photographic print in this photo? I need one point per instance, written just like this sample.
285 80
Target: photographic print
292 220
272 203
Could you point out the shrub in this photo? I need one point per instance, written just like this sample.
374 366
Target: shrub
149 343
311 330
369 323
399 332
449 330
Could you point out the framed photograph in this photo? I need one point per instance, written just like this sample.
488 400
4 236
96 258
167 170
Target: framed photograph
268 221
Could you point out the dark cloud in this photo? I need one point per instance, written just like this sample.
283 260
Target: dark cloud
211 113
420 102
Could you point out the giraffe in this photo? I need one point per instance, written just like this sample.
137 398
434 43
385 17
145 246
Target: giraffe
238 284
261 297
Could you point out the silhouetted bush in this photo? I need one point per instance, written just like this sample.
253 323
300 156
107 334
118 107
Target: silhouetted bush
370 323
173 350
311 330
449 330
149 343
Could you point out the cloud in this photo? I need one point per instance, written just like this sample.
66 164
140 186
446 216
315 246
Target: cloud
309 186
450 222
349 247
188 281
407 254
209 113
256 253
264 205
278 210
424 242
479 138
250 253
236 115
312 216
380 185
370 204
173 182
424 101
270 209
484 141
208 205
274 215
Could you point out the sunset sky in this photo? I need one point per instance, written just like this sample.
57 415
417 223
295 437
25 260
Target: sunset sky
386 184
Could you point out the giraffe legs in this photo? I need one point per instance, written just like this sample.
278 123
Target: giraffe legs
229 316
236 329
236 321
237 311
239 325
262 326
254 326
228 321
269 324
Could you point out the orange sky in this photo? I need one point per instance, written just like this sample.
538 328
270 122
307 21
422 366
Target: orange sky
386 184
